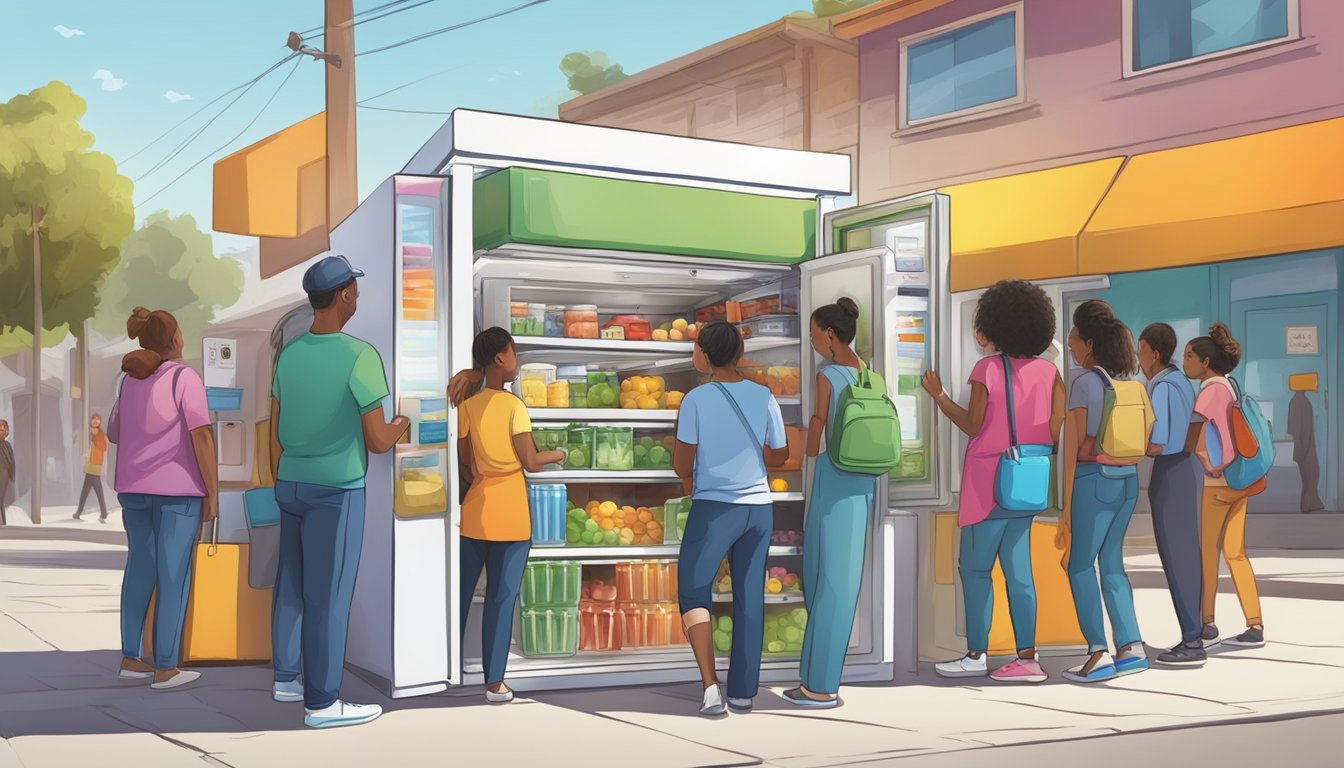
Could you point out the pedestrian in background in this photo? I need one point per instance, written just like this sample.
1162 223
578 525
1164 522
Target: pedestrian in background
6 469
93 468
168 485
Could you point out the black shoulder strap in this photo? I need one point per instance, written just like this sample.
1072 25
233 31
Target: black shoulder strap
1012 416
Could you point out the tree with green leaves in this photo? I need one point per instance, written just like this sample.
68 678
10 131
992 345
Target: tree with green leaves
824 8
61 199
590 71
169 263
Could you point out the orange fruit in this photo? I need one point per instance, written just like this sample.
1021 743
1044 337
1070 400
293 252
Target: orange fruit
645 516
779 485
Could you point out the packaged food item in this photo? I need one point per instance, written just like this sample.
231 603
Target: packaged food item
770 325
654 451
654 625
581 321
546 503
722 310
637 328
551 583
518 318
549 438
557 394
536 320
782 380
606 523
533 380
598 628
646 581
549 631
613 333
614 448
428 417
419 488
579 447
576 376
780 299
643 393
555 320
677 511
603 389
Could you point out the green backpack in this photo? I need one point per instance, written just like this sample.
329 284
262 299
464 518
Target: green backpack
866 436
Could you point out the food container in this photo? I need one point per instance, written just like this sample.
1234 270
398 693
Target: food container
518 318
784 628
546 503
419 488
646 581
581 321
782 380
551 583
536 320
549 631
577 378
604 391
533 379
636 327
723 310
555 320
598 628
777 300
771 325
654 450
549 438
614 448
579 447
655 625
428 417
557 394
677 512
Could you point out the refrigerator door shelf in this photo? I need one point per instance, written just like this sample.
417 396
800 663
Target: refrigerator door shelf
683 349
605 476
608 554
585 415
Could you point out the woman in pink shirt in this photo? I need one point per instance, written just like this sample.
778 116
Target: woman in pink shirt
1014 324
1209 360
167 485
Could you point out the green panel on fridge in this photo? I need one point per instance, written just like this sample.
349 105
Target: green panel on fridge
523 205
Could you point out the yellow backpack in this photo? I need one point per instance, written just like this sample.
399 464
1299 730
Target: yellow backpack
1127 420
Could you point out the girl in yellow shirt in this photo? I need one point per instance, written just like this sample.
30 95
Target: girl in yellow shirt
494 447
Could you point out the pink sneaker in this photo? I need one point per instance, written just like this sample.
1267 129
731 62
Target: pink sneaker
1019 671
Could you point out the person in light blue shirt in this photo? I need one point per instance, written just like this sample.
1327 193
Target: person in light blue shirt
728 431
1175 489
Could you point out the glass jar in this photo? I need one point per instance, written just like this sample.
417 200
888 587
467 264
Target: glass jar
518 318
581 321
604 391
614 448
557 394
555 321
577 378
579 447
532 382
536 320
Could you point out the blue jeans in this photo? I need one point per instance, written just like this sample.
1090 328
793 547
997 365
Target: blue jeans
321 533
504 563
1103 503
741 532
160 536
1007 539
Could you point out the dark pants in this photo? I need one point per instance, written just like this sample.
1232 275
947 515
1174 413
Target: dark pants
160 535
321 533
504 562
741 532
92 483
1175 492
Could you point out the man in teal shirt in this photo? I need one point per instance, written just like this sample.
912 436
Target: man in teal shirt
326 415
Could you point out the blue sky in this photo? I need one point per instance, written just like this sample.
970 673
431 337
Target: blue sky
135 60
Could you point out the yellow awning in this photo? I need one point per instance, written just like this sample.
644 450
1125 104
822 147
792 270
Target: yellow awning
276 187
1024 226
1280 191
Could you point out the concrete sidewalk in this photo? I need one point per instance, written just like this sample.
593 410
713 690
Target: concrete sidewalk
61 703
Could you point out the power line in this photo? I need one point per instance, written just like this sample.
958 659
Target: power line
408 85
317 32
189 140
451 28
402 111
236 136
216 100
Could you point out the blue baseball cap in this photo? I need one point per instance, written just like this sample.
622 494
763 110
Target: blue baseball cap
329 274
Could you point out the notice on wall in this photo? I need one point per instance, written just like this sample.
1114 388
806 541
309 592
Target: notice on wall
1302 340
221 362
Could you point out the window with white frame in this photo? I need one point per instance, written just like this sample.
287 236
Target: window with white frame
1166 33
973 65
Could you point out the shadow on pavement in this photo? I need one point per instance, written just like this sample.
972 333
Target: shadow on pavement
63 559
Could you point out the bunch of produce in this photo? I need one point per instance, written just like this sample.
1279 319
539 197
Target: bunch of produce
677 330
654 454
786 539
783 632
604 523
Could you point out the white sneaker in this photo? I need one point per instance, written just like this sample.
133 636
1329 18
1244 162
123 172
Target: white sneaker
289 692
964 667
503 697
712 705
342 714
182 677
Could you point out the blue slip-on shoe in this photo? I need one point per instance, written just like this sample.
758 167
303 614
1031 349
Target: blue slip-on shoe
1100 673
1132 661
797 697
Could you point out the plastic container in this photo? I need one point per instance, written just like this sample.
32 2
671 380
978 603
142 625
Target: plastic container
549 631
579 447
223 398
722 310
576 376
555 320
614 448
785 326
604 391
518 318
598 628
651 625
557 394
646 581
637 328
547 506
551 583
581 321
677 512
428 417
419 488
536 320
776 300
533 379
784 628
653 450
549 438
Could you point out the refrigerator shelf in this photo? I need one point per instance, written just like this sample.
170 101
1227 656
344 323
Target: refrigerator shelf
606 476
791 496
770 599
685 348
606 554
603 415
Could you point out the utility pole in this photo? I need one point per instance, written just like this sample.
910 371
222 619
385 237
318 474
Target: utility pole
342 181
38 474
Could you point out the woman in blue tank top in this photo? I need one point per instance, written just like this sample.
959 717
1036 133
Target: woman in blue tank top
835 535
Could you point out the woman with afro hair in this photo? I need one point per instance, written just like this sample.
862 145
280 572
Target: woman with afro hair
1014 324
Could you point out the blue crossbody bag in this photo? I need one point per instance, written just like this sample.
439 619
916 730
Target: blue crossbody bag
1022 480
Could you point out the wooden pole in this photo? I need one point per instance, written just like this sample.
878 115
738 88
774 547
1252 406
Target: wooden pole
342 180
36 437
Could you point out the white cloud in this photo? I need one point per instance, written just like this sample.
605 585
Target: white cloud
67 32
175 97
110 81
